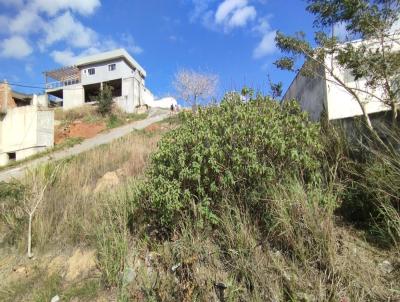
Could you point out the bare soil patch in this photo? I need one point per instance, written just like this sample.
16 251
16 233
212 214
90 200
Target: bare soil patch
78 129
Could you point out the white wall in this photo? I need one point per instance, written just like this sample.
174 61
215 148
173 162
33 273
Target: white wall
26 131
316 95
102 74
310 93
40 100
341 104
73 96
164 103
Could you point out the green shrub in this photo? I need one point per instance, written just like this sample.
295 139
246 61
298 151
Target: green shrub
104 99
237 149
114 121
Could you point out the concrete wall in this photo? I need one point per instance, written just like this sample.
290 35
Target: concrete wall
341 104
40 100
73 96
310 93
25 131
132 95
338 103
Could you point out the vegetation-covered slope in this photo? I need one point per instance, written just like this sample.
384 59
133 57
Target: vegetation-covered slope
246 201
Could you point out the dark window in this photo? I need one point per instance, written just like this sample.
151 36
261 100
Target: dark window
92 71
12 156
112 67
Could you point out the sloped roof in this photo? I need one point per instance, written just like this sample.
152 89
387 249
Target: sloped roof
110 55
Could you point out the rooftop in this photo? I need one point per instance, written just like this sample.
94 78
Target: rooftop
109 55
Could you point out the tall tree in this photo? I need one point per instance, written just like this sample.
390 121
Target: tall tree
194 87
374 59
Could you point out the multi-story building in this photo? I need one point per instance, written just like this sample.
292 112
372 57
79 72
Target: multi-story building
80 83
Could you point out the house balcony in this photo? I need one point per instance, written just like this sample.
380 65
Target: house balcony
62 77
61 84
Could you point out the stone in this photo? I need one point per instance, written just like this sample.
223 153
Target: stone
129 275
175 267
386 267
55 299
108 181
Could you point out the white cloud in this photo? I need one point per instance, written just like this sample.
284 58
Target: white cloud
234 13
227 7
63 57
66 28
15 47
242 16
69 57
54 23
267 45
200 8
52 7
128 42
25 22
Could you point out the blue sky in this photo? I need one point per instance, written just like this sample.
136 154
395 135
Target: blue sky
230 38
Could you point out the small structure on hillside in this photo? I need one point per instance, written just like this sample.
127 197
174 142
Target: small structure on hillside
26 124
80 83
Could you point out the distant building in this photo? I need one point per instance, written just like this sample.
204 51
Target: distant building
323 94
80 83
26 125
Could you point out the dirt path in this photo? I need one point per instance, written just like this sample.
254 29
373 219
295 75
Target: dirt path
103 138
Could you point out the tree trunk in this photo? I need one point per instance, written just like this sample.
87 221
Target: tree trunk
366 118
194 104
30 255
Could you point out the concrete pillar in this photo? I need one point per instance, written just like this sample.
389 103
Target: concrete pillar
3 159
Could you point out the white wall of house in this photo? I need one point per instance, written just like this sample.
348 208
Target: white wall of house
310 93
341 104
73 96
131 81
103 74
315 95
25 131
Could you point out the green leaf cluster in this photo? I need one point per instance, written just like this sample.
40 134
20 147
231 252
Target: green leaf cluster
234 151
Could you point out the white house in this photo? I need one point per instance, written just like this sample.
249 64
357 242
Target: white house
323 93
26 125
80 83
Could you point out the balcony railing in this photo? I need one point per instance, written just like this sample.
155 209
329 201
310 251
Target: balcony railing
61 84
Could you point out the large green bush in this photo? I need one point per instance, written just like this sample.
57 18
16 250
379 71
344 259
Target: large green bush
235 150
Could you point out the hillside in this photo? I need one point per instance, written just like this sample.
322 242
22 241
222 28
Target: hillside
241 202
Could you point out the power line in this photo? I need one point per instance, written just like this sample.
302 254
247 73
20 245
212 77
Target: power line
26 86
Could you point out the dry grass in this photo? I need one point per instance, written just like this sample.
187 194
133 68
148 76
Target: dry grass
306 256
69 209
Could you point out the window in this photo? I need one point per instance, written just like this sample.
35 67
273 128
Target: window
112 67
92 71
12 156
